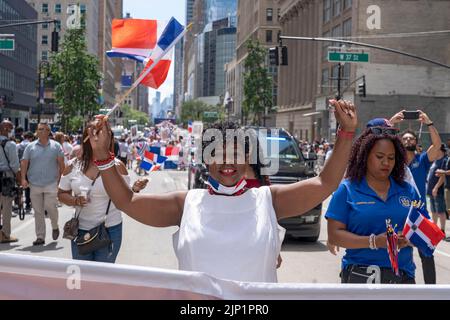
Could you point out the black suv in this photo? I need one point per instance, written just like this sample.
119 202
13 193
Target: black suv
293 167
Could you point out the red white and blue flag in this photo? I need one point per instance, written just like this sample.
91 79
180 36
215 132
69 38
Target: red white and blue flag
422 232
147 42
190 127
155 158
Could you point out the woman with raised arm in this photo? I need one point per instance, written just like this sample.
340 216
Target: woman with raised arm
228 232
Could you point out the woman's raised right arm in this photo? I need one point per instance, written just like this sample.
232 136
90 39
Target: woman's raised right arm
153 210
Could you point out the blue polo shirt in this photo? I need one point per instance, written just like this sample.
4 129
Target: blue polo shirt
357 206
419 167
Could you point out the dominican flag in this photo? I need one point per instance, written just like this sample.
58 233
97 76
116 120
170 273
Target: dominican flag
155 150
155 158
422 232
148 42
171 151
147 165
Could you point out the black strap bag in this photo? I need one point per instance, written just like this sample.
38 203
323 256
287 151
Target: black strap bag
95 239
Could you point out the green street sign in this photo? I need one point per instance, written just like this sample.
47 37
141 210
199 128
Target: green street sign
210 114
348 57
7 44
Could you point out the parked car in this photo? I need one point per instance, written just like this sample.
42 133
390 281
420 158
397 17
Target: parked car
293 167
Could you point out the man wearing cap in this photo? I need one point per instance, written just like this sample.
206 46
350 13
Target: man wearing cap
419 164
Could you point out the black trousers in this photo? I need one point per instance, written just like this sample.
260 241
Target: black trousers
429 269
363 275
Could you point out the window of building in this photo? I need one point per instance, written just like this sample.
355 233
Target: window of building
44 40
335 75
325 80
347 4
83 8
58 8
44 56
346 75
337 7
269 36
326 10
45 26
269 14
325 46
347 28
58 25
44 8
336 32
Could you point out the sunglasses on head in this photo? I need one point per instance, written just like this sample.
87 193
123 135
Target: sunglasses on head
384 130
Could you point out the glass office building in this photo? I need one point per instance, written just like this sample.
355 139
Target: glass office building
219 9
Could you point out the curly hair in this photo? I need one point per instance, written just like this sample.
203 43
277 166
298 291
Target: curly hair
357 165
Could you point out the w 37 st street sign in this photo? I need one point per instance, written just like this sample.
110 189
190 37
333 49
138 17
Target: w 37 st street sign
350 55
7 42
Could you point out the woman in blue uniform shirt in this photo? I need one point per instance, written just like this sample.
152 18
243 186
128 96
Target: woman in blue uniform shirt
374 190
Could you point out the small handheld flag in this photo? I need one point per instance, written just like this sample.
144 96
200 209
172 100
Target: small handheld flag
422 232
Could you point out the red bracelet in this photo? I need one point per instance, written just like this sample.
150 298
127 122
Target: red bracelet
106 161
345 134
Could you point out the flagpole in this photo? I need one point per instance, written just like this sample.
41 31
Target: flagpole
146 72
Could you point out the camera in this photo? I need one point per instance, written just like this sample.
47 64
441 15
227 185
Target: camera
8 186
411 115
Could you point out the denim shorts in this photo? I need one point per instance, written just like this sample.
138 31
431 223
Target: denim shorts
104 254
438 204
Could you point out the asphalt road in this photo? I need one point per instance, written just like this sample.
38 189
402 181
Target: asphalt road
147 246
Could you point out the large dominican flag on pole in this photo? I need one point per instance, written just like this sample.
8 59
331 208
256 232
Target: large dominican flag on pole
422 232
139 40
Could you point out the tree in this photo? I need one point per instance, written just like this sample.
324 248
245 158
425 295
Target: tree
195 110
76 78
131 114
257 84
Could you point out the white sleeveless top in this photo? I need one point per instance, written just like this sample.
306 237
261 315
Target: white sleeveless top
235 238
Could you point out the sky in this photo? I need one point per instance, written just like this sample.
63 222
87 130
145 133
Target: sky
158 10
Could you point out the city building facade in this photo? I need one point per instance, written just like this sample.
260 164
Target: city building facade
18 68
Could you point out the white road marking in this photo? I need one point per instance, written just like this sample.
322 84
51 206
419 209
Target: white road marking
22 226
442 253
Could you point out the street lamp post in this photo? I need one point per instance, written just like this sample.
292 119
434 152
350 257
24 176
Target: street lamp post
44 66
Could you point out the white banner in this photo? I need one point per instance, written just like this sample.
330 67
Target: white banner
30 277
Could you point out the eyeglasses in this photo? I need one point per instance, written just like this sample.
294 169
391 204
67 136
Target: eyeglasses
384 130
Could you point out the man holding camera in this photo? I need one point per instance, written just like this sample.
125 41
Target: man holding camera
419 164
9 168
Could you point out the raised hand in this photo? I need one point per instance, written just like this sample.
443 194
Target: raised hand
100 138
398 117
345 113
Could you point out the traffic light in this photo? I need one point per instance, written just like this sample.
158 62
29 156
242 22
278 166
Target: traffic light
362 89
55 41
274 56
284 56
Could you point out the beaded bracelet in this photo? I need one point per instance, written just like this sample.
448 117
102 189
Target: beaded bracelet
105 161
108 165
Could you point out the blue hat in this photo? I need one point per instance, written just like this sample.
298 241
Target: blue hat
379 122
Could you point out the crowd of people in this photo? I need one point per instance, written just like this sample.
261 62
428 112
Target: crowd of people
373 177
